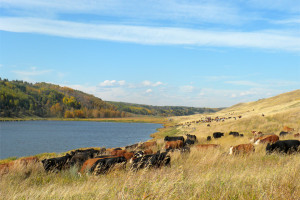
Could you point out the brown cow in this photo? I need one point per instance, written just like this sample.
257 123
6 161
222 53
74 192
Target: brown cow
287 129
241 148
148 151
266 139
297 135
206 146
146 145
174 144
87 165
118 152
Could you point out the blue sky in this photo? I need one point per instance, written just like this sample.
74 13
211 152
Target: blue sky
189 53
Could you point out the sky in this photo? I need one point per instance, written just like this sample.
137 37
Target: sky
173 52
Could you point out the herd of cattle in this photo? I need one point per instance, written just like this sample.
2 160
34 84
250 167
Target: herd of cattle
142 156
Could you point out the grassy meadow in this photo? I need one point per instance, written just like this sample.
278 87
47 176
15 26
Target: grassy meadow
206 174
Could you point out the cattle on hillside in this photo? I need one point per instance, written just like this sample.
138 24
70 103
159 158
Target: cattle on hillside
266 139
102 166
241 149
287 129
174 144
167 138
297 135
208 138
218 134
206 146
156 160
233 133
191 137
283 133
283 146
59 163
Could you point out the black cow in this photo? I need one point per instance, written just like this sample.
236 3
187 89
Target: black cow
189 142
283 133
191 137
218 134
156 160
241 135
104 165
235 134
59 163
167 138
208 138
284 146
91 152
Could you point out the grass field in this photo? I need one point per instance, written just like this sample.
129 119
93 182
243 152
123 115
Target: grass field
207 174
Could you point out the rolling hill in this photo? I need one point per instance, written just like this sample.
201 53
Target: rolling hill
23 99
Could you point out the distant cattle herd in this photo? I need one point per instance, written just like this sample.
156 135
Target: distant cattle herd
141 155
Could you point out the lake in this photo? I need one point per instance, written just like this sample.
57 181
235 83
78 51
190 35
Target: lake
27 138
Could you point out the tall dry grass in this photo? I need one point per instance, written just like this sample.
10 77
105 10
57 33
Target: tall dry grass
208 174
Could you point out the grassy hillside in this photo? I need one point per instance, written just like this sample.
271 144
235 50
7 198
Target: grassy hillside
279 111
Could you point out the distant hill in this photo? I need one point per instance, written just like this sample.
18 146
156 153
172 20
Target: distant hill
279 103
23 99
161 110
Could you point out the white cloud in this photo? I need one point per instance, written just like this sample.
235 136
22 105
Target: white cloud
149 91
149 83
284 40
32 72
108 83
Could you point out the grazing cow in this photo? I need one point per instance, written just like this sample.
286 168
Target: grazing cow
156 160
80 158
283 133
59 163
174 144
287 129
218 134
102 166
241 149
266 139
283 146
208 125
167 138
297 135
235 134
191 137
88 164
208 138
206 146
189 142
90 152
241 135
146 145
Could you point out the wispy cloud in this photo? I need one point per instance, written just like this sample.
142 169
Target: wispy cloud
33 71
154 35
112 83
244 83
147 10
186 88
149 83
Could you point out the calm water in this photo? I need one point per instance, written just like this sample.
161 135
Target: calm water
33 137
